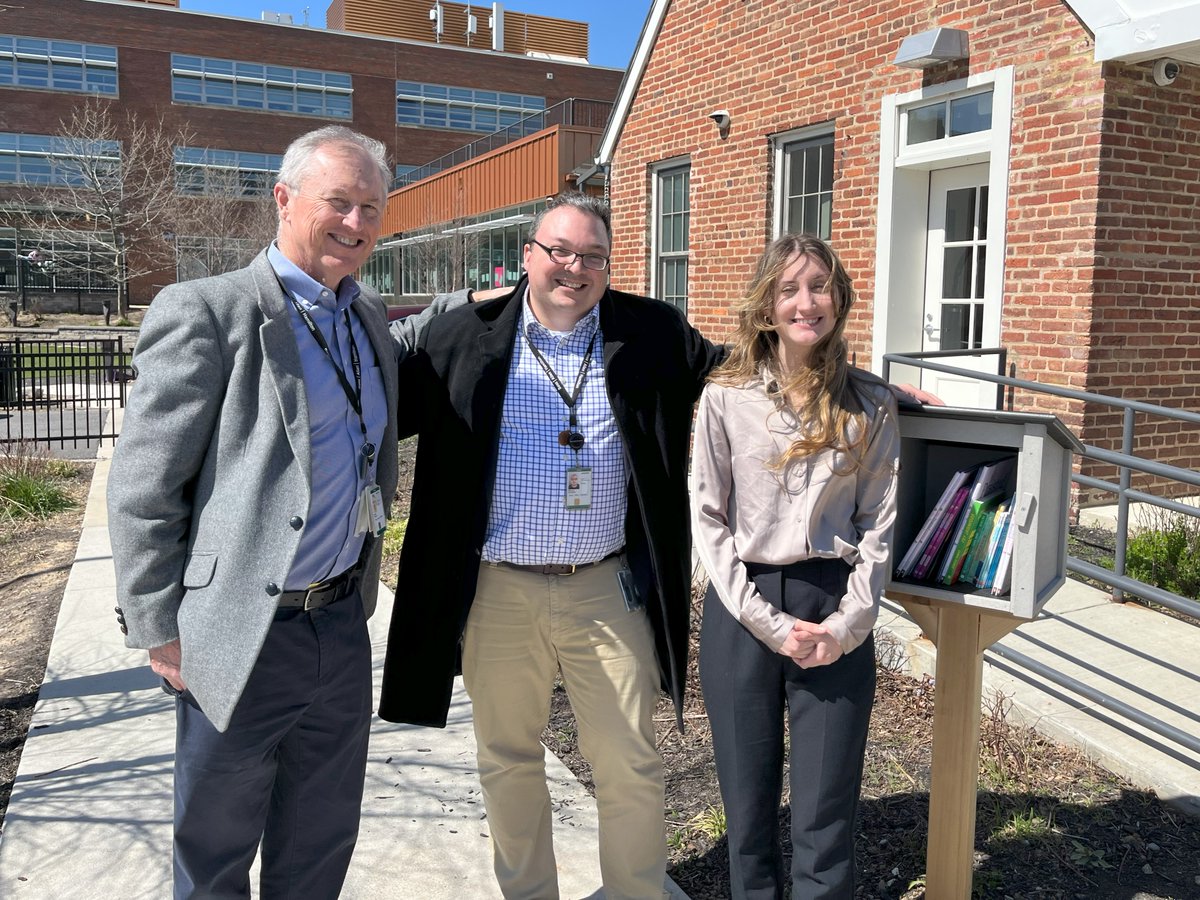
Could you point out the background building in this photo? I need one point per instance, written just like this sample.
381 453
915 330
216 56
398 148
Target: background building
1016 173
240 90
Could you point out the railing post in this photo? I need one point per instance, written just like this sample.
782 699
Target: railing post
1126 479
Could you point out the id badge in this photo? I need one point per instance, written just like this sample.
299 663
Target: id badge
371 517
578 488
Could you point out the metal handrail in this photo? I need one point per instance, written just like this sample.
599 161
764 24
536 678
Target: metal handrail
1125 461
572 111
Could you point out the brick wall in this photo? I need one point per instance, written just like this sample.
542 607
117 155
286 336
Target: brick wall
778 66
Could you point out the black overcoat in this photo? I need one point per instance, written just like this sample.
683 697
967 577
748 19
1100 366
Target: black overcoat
452 391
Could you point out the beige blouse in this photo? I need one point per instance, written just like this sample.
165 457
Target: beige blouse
745 511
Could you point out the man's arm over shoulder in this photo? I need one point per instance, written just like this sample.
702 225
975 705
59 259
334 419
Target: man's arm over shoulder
406 332
167 428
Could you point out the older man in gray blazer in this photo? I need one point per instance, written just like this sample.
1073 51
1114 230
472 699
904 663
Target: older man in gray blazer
247 497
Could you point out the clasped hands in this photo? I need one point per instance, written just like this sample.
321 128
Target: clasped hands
811 645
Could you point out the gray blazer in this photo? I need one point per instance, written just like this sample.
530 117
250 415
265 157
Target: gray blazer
210 480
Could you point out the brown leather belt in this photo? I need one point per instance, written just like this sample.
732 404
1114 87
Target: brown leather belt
323 593
558 568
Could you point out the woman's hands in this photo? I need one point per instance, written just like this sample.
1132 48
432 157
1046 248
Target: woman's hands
810 645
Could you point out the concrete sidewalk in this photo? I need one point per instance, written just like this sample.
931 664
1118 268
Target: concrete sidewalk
90 814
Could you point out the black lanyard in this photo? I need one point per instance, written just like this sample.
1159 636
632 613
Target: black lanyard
354 395
572 438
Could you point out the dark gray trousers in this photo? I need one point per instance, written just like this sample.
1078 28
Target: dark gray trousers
289 770
748 689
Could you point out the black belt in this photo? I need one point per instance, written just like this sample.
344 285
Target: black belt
321 594
558 568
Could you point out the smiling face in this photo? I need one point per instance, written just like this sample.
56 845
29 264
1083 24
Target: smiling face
329 223
562 295
804 311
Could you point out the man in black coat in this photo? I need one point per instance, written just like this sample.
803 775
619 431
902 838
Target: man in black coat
549 531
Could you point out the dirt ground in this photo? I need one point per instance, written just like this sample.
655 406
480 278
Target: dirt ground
35 559
1050 823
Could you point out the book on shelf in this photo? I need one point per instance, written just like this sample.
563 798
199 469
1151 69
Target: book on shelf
987 574
916 549
973 518
980 544
933 549
1004 564
991 481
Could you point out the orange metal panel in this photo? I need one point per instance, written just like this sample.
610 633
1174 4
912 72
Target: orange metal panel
529 169
409 19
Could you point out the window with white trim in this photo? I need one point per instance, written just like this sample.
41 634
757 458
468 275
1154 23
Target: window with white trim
249 85
672 222
463 108
52 159
30 62
804 184
211 172
947 118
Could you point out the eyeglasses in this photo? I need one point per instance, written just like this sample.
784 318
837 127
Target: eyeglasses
565 257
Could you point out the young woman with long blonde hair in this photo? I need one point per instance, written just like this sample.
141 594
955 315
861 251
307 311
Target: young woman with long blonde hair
793 493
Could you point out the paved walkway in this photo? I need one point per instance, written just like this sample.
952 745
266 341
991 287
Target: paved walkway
90 815
90 811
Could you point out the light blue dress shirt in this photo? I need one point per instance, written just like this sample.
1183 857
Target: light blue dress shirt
329 545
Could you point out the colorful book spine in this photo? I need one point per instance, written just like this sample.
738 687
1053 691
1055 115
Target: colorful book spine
917 548
949 517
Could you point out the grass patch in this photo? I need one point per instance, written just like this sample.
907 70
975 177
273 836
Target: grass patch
393 538
31 484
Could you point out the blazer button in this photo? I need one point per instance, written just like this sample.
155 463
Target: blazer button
124 630
272 588
296 522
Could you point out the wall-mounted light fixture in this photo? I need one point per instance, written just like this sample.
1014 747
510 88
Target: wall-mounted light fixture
722 120
929 48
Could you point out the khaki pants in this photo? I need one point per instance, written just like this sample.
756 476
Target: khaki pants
523 629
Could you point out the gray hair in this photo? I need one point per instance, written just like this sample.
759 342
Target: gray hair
585 203
299 154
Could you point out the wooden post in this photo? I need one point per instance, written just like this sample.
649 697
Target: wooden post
961 634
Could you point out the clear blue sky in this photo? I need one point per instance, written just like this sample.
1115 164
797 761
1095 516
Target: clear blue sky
615 24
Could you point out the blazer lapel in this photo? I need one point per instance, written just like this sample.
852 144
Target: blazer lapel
282 359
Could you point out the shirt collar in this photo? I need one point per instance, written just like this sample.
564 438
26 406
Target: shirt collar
307 289
585 327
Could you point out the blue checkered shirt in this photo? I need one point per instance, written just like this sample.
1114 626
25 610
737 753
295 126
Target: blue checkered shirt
529 523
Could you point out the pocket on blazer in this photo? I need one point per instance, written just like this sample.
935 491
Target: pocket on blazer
199 570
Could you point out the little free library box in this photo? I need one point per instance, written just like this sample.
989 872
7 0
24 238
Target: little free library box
981 508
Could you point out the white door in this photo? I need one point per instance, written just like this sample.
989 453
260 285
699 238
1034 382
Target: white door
957 304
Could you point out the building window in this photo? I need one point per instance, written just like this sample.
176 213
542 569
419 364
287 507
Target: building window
377 271
672 214
203 170
50 159
804 185
29 62
248 85
463 109
950 118
479 253
200 257
78 261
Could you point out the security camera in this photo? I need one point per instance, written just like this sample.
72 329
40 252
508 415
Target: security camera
1166 71
721 117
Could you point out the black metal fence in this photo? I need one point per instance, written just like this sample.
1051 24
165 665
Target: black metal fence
63 394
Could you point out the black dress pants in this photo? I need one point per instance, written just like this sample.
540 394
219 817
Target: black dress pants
748 688
287 773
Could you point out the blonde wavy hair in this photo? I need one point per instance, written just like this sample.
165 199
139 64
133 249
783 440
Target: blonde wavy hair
820 394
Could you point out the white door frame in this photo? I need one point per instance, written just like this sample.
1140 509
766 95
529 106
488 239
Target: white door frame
900 250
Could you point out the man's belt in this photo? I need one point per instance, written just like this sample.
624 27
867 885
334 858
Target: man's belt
323 593
559 568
